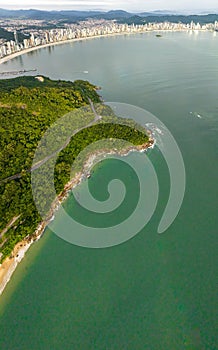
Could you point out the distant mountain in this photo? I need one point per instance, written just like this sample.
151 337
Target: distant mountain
25 14
176 13
119 15
78 13
202 19
63 15
155 13
18 13
45 15
160 13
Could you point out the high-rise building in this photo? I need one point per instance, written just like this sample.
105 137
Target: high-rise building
26 43
9 50
16 37
32 39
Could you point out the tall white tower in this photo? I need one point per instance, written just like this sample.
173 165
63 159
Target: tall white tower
32 39
15 37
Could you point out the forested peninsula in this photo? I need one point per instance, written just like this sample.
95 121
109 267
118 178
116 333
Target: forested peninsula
28 107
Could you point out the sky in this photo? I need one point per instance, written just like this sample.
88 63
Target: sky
128 5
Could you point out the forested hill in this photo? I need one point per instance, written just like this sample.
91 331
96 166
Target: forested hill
202 19
30 82
28 106
68 16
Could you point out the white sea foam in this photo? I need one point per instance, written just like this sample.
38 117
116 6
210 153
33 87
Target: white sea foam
156 133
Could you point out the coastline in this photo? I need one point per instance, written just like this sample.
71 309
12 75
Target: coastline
10 264
23 52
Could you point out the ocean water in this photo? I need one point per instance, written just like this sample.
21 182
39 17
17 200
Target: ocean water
154 291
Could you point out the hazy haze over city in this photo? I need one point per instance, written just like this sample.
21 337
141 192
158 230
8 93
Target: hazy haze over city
184 6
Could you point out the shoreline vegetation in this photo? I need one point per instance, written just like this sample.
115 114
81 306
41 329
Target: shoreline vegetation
10 264
25 51
22 101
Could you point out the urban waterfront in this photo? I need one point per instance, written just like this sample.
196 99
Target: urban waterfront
89 29
155 291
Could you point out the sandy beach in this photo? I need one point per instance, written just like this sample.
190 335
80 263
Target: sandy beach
9 265
19 53
22 52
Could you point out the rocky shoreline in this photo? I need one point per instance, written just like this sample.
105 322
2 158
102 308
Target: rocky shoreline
9 265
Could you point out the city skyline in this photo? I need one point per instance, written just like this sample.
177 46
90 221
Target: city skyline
184 6
90 28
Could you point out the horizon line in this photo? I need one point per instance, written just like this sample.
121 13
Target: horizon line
171 12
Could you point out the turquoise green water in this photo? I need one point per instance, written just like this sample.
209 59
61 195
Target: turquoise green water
154 291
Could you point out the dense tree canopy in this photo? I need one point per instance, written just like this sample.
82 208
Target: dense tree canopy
27 108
